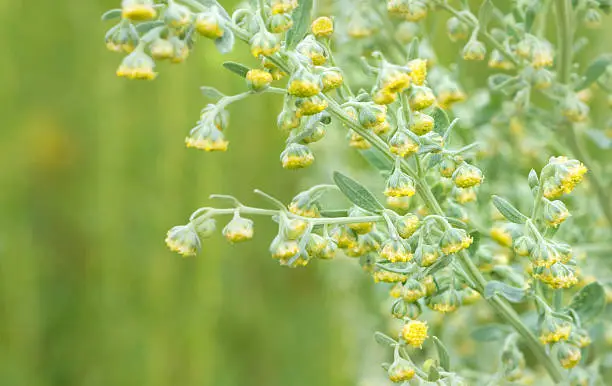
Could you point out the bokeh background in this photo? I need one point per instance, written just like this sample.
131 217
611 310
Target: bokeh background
94 171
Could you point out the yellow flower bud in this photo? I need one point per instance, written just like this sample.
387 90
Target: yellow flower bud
138 10
258 79
414 333
322 27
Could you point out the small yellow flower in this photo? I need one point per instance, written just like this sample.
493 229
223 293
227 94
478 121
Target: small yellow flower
407 225
183 239
208 25
467 176
384 97
400 371
421 123
418 71
310 106
322 27
304 85
138 10
238 229
283 6
331 79
388 277
395 251
569 355
414 333
474 50
283 249
206 137
296 156
344 237
258 79
137 65
421 98
399 184
358 142
502 236
402 144
554 331
162 49
264 43
455 240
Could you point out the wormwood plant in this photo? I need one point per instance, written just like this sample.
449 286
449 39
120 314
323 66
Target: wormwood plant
372 72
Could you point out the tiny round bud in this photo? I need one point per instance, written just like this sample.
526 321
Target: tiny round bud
177 15
455 240
359 227
395 251
304 84
467 176
456 29
592 18
280 22
263 43
554 329
208 24
401 144
322 27
421 98
206 228
331 79
238 229
418 71
399 184
296 156
447 301
137 65
183 239
406 225
421 123
161 49
400 371
283 249
474 50
502 235
555 212
344 237
138 10
569 355
258 80
310 106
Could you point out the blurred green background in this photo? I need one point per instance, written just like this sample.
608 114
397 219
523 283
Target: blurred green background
94 171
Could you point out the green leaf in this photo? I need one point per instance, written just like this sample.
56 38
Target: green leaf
237 68
442 354
595 70
413 49
508 211
383 339
490 332
533 180
357 193
441 120
301 23
485 13
212 93
530 16
475 243
433 374
111 14
589 302
512 294
147 26
377 159
225 43
600 139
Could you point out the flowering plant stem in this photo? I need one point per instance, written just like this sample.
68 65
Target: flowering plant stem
565 36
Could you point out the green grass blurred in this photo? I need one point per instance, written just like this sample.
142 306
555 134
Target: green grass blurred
94 173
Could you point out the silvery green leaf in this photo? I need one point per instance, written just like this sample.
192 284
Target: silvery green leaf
357 193
301 23
533 179
455 222
413 49
225 43
442 354
441 120
589 302
433 374
595 70
508 211
434 160
475 243
438 265
485 13
383 339
490 332
377 159
237 68
147 26
211 92
111 14
512 294
600 139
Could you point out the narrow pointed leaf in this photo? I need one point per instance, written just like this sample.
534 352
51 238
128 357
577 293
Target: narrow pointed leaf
357 193
509 211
